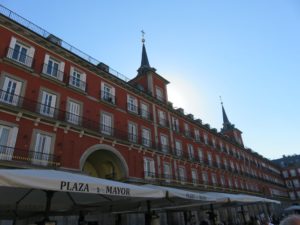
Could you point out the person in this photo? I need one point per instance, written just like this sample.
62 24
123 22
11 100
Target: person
291 220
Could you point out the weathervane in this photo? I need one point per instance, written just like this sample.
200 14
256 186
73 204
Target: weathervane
143 36
221 100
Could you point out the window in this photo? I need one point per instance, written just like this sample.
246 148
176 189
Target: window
221 146
285 174
10 92
182 176
197 135
167 172
48 103
229 182
200 155
159 94
53 67
293 172
132 132
73 114
77 79
145 111
232 166
225 164
107 93
164 143
187 130
175 124
296 183
236 183
214 142
292 195
191 151
132 104
106 124
20 52
205 139
218 160
162 118
204 177
298 193
194 176
214 179
42 148
178 147
209 158
149 168
222 180
8 136
146 137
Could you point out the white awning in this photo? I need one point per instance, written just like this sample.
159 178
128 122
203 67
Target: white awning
25 190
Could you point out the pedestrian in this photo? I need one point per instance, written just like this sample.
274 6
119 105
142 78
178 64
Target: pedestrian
291 220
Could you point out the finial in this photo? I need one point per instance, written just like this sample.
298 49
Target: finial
221 100
143 35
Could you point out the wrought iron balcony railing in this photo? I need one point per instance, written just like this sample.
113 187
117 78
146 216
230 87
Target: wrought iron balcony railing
52 71
28 157
77 83
19 56
108 97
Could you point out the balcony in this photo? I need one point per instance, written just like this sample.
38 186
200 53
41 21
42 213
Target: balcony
145 114
107 97
132 108
19 57
53 72
164 148
27 157
163 122
77 83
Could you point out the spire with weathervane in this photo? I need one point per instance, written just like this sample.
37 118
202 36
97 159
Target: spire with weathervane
229 129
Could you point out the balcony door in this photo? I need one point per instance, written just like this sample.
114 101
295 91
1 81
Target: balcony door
10 91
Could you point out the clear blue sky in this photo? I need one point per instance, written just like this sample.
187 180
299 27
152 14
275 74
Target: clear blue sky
246 51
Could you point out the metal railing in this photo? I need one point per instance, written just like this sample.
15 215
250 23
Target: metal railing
108 97
52 71
40 31
29 157
19 57
77 83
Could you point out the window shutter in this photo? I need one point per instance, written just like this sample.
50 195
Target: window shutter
62 66
152 166
31 54
37 142
83 77
13 137
53 102
47 145
71 71
12 42
46 60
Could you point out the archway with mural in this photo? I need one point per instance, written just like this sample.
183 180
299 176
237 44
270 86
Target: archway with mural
104 161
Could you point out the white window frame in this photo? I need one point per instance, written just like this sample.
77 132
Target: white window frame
197 135
77 78
10 91
132 132
106 124
146 137
50 70
191 151
132 104
159 94
107 93
187 130
194 175
43 146
182 174
19 56
145 110
200 155
8 137
164 141
149 168
48 103
74 112
162 118
175 124
178 147
167 172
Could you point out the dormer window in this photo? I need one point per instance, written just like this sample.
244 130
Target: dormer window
20 52
53 67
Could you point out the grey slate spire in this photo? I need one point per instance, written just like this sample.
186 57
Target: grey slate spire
226 123
144 61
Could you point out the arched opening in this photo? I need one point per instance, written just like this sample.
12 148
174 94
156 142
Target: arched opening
104 161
